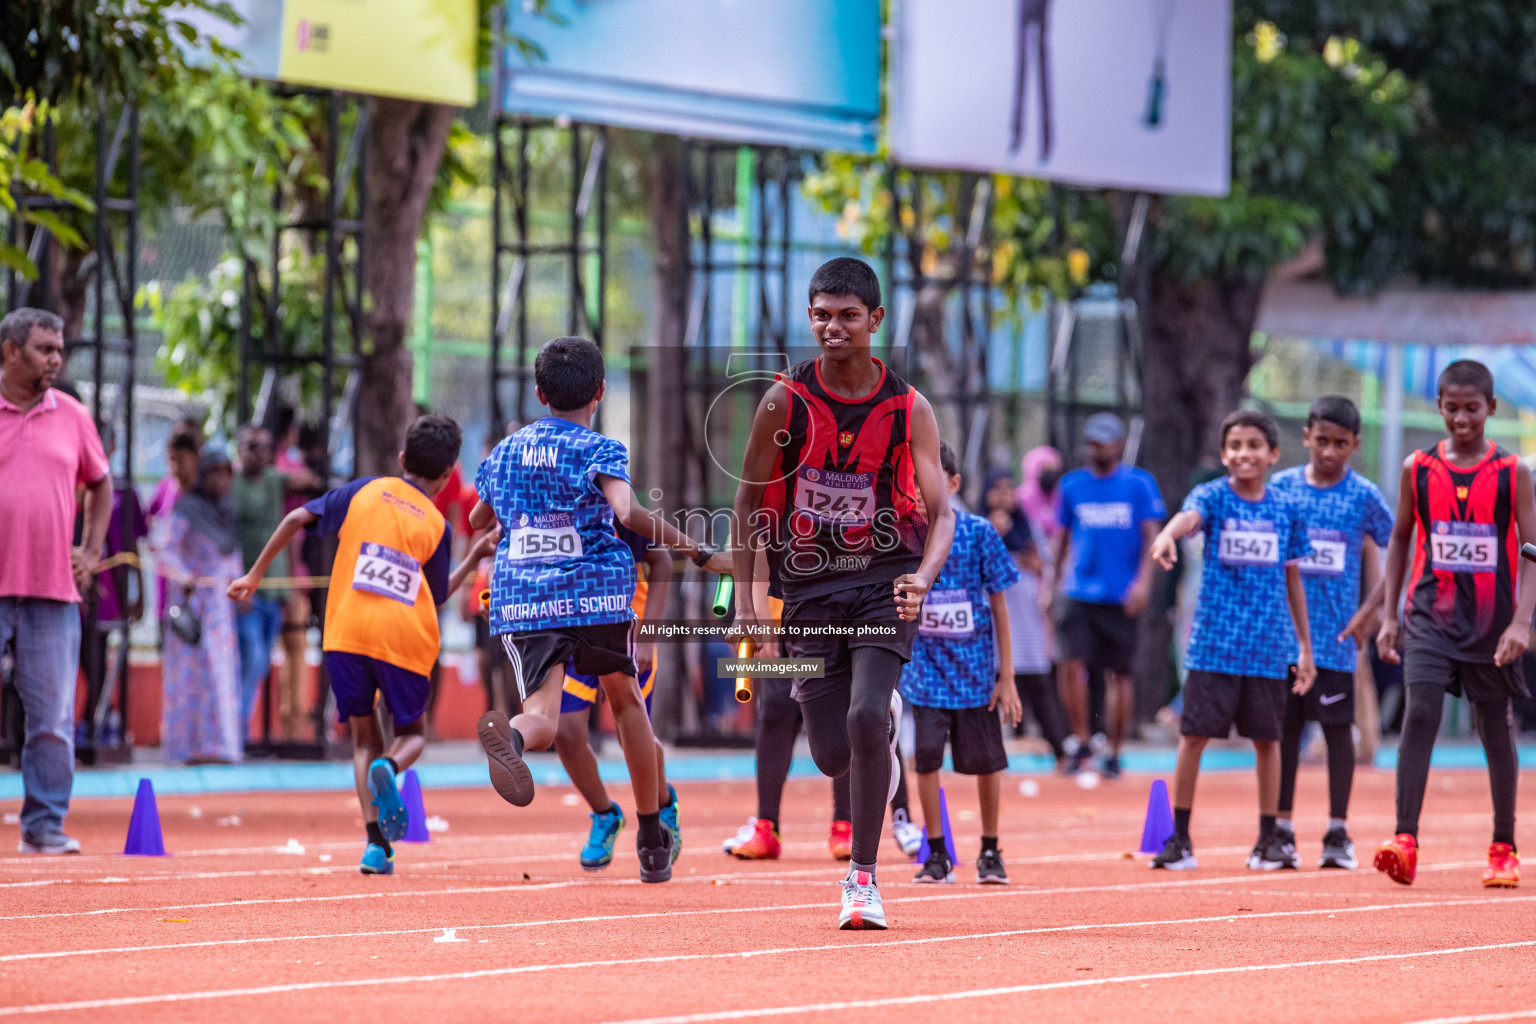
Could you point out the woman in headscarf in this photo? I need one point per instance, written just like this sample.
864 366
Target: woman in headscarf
200 554
1037 494
1029 632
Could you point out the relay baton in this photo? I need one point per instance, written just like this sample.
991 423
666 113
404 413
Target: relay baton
1528 552
724 591
743 683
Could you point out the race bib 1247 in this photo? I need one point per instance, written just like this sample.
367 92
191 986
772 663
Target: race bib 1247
1463 547
389 573
833 497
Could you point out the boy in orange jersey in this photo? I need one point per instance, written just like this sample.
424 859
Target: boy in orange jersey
390 574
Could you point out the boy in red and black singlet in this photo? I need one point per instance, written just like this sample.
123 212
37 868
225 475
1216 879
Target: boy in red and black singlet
839 448
1463 510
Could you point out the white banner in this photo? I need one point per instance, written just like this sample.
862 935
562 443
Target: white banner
1114 93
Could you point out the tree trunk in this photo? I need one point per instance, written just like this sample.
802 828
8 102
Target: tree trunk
934 365
404 149
1195 365
662 412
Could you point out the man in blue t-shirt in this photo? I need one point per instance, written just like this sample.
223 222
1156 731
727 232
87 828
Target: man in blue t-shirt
1109 514
562 582
1237 659
959 677
1347 519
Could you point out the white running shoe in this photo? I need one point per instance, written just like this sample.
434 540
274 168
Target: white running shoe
907 834
890 793
862 906
742 835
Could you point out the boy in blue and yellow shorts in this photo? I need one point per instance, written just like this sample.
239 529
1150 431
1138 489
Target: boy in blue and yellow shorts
381 638
654 567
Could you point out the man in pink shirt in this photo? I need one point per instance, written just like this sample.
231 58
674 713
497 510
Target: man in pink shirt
48 445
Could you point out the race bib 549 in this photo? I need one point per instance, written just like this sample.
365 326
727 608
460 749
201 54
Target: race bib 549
947 613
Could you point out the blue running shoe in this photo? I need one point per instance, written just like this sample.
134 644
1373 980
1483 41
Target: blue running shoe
669 822
393 818
376 861
598 853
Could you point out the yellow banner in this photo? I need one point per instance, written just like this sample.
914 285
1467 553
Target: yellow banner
412 49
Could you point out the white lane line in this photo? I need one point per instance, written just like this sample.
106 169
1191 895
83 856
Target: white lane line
984 993
178 997
595 919
1480 1018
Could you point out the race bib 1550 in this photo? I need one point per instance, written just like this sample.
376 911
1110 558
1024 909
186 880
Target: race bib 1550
548 537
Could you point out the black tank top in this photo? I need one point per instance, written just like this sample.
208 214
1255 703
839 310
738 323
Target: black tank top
842 502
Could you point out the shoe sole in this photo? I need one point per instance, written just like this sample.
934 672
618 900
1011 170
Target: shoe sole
44 851
1187 864
596 867
510 776
1501 883
1389 863
948 879
992 880
393 817
1338 864
365 870
663 874
754 856
859 921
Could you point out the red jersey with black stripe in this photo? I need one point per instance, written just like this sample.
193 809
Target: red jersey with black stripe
1461 591
843 498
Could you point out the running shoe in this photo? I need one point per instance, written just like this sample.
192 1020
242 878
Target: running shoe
670 823
742 835
906 833
1111 769
936 870
510 776
989 868
862 906
1071 762
1176 855
52 844
1338 851
376 861
656 861
1272 853
762 844
1503 871
1287 840
598 853
393 817
890 793
1398 858
840 842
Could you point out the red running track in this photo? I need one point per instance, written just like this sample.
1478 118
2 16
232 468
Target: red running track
229 929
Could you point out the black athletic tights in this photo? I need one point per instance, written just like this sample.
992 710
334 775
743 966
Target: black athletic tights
1421 722
1340 738
849 730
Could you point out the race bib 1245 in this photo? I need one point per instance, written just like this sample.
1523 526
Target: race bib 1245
1463 547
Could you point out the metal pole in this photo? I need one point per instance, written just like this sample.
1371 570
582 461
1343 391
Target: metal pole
521 295
498 172
332 259
600 269
102 171
1392 421
573 314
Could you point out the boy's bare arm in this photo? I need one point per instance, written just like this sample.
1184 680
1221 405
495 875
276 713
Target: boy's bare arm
1004 692
1389 636
628 511
1296 598
912 587
1165 546
481 516
292 523
757 469
1517 638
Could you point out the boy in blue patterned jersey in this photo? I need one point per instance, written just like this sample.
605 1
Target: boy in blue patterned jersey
959 676
1347 519
562 582
1237 661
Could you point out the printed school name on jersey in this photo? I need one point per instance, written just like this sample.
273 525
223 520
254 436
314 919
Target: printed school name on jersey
565 606
541 456
1104 515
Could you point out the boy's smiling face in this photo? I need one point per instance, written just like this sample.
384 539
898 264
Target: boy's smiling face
1247 455
1331 446
1465 409
842 324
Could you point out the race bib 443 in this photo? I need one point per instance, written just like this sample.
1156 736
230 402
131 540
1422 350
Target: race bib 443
1463 547
1248 542
389 573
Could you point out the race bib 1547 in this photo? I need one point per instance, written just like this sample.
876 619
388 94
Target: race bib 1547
1248 542
1463 547
389 573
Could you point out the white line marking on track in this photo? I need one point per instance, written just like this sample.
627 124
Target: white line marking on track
177 997
983 993
1480 1018
1369 908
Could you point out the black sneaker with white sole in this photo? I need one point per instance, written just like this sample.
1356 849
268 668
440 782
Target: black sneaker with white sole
1176 855
1271 853
1287 840
989 868
936 870
1338 851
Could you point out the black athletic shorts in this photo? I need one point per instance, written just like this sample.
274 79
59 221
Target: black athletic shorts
1099 635
595 650
871 605
1475 680
975 738
1331 701
1215 701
